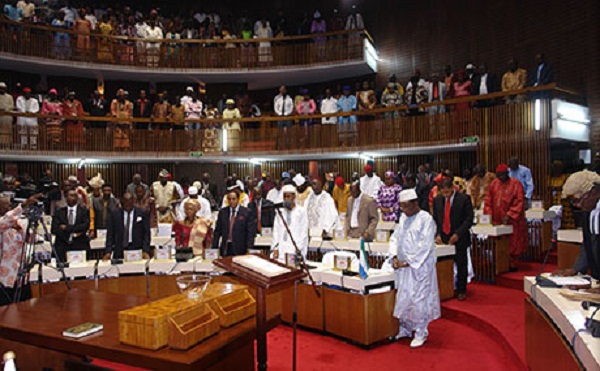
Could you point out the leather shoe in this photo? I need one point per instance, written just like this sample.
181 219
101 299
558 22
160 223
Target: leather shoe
461 296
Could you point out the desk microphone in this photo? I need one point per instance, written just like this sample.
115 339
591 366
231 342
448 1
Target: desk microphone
589 304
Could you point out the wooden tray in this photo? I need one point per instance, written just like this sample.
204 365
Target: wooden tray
189 327
234 308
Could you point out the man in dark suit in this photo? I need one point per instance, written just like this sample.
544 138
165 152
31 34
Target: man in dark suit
236 227
262 209
453 215
541 75
128 229
70 225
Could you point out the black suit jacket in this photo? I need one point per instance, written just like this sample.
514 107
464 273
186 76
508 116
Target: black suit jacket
546 75
461 217
116 229
82 225
267 212
244 231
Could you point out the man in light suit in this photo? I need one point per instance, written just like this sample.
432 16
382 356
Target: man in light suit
361 217
238 237
70 225
128 229
453 215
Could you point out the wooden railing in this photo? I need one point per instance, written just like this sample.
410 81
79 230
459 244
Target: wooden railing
65 44
378 128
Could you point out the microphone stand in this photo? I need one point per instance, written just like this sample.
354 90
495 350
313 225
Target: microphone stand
304 267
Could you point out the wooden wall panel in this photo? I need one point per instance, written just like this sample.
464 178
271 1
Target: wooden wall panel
427 35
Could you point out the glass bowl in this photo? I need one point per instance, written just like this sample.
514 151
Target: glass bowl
193 285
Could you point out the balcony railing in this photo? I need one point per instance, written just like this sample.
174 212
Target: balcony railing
223 54
376 129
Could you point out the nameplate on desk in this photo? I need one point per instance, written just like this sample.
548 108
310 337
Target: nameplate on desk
78 256
162 254
339 234
485 219
133 255
101 233
211 254
164 230
267 232
341 263
382 235
537 205
290 260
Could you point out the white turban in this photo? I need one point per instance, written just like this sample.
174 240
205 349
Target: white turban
408 195
289 189
299 180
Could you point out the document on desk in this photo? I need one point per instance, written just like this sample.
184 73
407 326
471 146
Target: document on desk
569 281
260 265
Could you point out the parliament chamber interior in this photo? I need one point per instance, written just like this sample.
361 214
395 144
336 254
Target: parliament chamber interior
307 185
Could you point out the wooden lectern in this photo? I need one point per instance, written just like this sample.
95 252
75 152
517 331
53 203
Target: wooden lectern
262 284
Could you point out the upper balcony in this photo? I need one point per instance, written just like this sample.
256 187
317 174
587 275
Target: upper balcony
261 63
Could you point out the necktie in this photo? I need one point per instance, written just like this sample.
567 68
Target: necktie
105 203
231 223
126 231
446 226
71 217
258 212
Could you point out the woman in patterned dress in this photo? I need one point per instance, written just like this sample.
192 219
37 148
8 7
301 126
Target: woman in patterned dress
388 198
74 128
193 231
53 106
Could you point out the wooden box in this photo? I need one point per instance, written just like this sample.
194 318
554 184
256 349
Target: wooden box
146 326
234 308
189 327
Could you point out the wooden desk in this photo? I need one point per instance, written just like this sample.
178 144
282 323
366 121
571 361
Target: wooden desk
490 251
364 319
22 327
568 246
551 321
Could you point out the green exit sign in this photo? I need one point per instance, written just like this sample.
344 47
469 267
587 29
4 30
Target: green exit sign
196 154
474 139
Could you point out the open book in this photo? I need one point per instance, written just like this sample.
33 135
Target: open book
260 265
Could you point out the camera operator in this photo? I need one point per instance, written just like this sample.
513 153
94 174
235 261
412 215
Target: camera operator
12 241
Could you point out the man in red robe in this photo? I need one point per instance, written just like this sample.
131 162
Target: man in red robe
505 203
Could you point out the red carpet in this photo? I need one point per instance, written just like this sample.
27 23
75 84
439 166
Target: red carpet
485 332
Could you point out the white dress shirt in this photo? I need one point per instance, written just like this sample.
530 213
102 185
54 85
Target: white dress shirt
355 207
74 210
131 221
283 105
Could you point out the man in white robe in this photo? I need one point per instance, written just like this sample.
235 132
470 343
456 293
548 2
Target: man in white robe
370 182
412 247
297 220
322 213
27 126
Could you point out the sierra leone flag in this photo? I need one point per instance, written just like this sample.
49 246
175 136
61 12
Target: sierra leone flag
363 266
